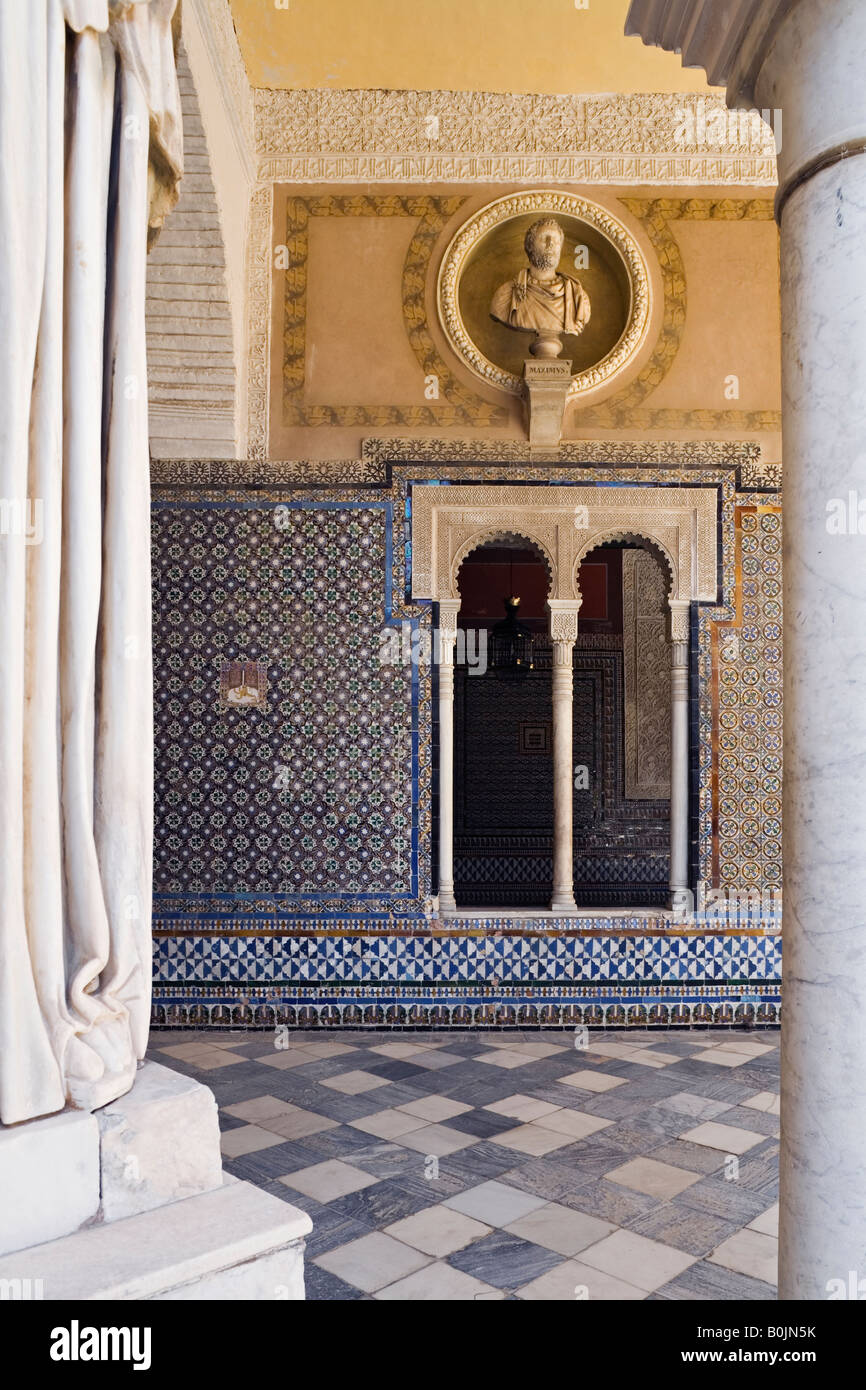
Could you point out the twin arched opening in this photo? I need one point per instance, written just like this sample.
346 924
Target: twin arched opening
618 738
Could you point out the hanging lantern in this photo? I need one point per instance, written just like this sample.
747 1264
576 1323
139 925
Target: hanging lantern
511 642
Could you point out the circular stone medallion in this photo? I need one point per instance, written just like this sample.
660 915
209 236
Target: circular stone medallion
598 251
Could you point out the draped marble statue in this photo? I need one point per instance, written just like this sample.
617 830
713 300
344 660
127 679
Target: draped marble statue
91 137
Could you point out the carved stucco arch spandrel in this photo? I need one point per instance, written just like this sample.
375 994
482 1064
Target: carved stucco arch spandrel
651 543
564 523
485 536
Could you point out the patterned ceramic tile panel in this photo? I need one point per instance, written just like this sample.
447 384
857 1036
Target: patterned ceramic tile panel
313 795
310 820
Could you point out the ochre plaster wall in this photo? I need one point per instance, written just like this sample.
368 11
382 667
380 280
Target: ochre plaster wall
355 332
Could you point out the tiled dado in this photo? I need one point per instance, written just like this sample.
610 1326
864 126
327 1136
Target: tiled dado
395 1006
466 978
418 956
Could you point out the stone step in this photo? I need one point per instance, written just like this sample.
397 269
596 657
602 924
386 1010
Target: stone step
233 1242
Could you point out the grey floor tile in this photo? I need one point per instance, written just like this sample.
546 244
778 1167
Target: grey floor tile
267 1164
657 1122
480 1122
384 1203
712 1283
300 1200
345 1108
479 1162
609 1202
438 1186
682 1153
681 1047
388 1158
344 1142
555 1093
505 1261
747 1118
396 1069
759 1173
395 1093
323 1287
227 1122
331 1229
543 1176
729 1200
685 1228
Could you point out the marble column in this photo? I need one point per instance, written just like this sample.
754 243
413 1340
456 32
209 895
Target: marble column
563 632
805 61
679 870
448 610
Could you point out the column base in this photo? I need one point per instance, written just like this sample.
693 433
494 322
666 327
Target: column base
132 1202
236 1242
447 904
563 906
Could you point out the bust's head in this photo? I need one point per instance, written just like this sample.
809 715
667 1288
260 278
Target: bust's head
543 243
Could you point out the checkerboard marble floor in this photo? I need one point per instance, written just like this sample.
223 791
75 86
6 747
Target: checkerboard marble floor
442 1166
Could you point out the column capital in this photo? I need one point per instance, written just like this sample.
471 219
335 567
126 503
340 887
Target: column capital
799 62
679 611
448 610
563 619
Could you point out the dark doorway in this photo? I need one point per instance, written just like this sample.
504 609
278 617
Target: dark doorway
503 783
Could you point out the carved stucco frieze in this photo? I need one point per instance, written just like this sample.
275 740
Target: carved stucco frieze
321 136
564 524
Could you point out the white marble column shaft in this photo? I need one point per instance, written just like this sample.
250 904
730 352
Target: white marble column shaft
815 74
448 610
804 62
679 813
563 631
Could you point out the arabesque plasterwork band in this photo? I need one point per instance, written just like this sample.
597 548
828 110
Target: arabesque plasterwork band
324 136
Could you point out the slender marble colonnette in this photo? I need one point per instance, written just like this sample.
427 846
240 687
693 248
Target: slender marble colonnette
679 870
563 633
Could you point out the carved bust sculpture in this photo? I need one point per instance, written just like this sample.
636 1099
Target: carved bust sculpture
543 299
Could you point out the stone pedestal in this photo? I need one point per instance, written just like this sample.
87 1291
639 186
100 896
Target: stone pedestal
131 1202
160 1143
547 386
49 1178
234 1243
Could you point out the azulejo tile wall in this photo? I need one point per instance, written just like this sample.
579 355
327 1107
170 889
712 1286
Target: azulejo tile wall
293 855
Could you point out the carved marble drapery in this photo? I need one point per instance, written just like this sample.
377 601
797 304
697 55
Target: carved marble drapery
90 116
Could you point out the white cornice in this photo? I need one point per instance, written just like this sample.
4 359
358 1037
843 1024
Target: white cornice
728 38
